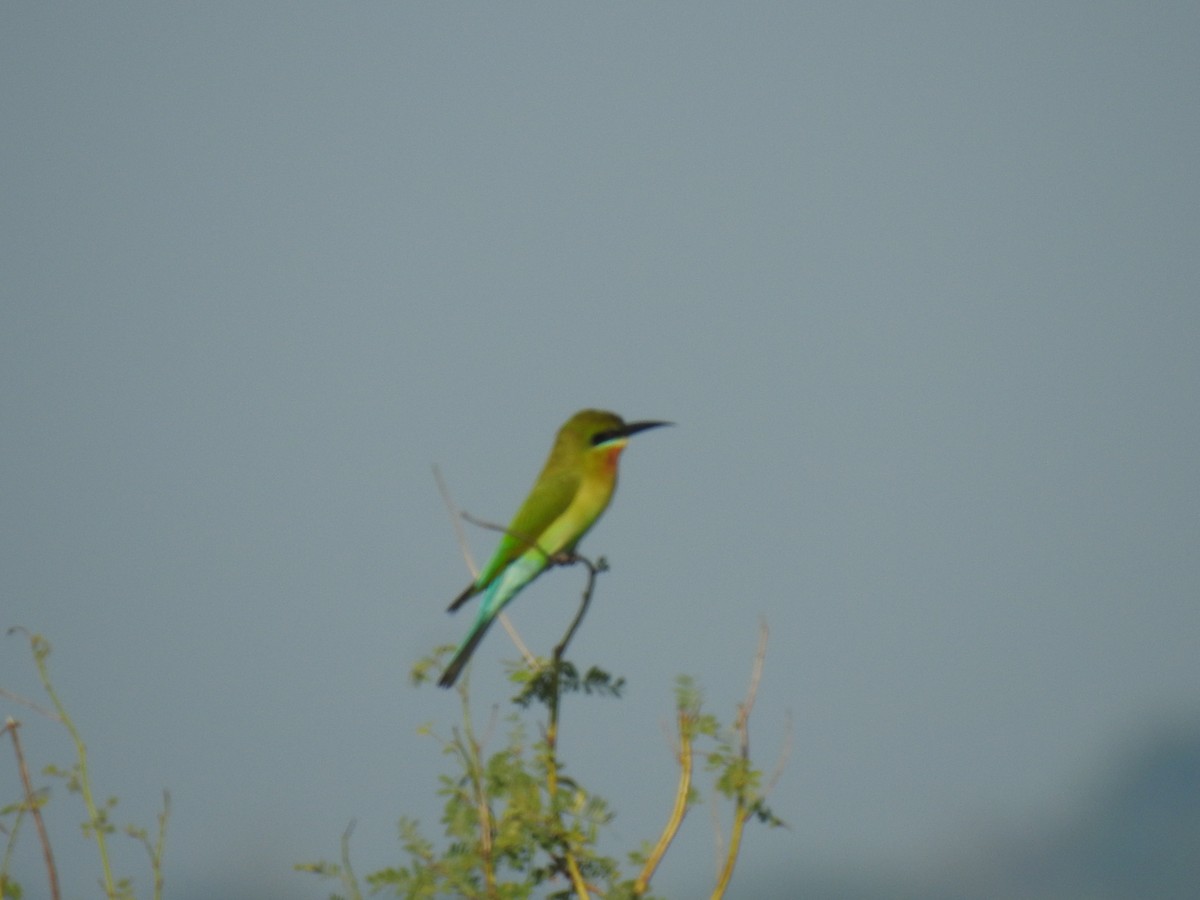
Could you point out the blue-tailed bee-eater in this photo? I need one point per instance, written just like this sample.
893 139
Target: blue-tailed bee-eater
568 497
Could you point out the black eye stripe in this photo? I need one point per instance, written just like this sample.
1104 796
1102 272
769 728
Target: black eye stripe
602 436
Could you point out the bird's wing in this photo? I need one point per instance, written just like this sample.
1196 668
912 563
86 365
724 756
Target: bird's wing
549 499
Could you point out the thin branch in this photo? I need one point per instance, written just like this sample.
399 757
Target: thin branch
558 559
25 701
760 654
742 809
528 542
682 792
471 751
159 844
785 753
456 517
34 806
551 735
526 653
349 881
735 843
594 569
29 704
96 824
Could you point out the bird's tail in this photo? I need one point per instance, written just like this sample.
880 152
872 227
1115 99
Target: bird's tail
499 593
462 598
450 675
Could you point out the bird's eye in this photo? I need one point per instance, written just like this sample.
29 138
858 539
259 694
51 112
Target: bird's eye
601 437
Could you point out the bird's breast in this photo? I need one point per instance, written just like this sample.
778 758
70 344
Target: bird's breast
609 456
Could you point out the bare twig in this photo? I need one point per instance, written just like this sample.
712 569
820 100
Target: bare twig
744 708
742 809
594 569
34 806
784 753
29 704
349 881
25 701
457 517
556 663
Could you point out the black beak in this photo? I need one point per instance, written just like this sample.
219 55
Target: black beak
633 428
624 431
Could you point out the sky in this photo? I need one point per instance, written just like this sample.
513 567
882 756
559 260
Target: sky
917 283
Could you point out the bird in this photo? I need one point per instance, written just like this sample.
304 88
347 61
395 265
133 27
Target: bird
572 491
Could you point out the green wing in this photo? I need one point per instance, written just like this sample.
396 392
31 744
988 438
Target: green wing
548 500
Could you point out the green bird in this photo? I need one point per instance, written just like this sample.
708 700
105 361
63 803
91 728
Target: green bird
574 488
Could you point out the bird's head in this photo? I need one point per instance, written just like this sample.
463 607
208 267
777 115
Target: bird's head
596 434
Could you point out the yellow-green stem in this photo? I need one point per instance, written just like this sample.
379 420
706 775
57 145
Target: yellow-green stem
680 809
41 649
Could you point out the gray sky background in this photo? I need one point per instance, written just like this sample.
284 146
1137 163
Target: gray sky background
918 283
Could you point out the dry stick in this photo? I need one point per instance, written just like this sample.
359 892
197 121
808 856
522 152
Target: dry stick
525 652
348 879
456 521
17 698
457 516
11 726
784 753
741 808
